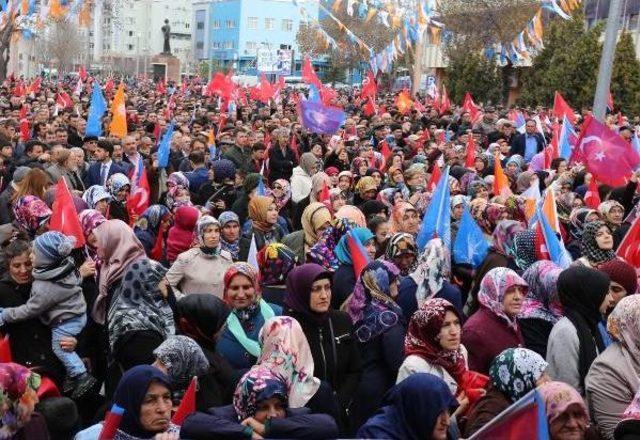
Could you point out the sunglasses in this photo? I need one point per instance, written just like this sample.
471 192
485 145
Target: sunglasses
277 187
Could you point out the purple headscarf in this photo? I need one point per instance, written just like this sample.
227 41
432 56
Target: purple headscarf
299 284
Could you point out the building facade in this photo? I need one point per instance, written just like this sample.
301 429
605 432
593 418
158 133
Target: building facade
229 33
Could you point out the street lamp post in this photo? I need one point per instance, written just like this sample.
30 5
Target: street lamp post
606 61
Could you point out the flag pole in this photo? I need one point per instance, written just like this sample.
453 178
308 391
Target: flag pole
606 60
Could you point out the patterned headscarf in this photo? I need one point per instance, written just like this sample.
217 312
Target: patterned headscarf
605 208
281 201
116 182
323 252
175 182
18 386
423 337
275 261
371 307
623 324
139 304
232 248
203 223
222 169
242 268
558 397
31 213
183 358
286 352
487 215
258 384
459 199
151 218
494 286
542 301
524 248
314 216
589 245
89 220
94 194
578 219
515 371
504 234
434 266
400 244
352 213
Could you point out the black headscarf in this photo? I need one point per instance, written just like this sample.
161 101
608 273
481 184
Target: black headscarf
130 393
581 292
201 316
371 207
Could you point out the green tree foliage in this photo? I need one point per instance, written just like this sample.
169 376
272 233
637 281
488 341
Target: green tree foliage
568 63
470 71
625 80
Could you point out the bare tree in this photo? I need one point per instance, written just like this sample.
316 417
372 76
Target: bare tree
61 44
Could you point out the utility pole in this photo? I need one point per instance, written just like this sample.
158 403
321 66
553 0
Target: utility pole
606 61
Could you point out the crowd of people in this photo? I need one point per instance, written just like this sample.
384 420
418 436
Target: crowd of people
281 268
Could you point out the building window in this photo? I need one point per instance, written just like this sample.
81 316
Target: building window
287 25
228 45
200 25
131 33
216 24
269 24
230 24
129 46
200 45
252 22
252 45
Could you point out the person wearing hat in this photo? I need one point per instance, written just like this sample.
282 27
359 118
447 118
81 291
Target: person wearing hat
6 213
623 279
104 167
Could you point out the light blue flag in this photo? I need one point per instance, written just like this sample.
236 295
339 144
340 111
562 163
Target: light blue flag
470 247
261 190
557 252
437 219
164 147
97 108
314 93
568 137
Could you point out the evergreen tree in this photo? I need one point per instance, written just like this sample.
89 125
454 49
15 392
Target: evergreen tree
625 79
470 71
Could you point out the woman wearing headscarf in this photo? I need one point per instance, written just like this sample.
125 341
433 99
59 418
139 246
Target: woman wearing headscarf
139 317
366 189
352 213
577 219
144 393
150 229
417 408
405 218
315 219
597 245
265 230
275 261
118 248
512 374
238 343
524 249
614 376
501 254
344 278
487 215
458 204
90 219
230 233
432 344
177 191
403 252
566 411
18 387
281 193
575 340
118 186
430 279
181 234
301 177
202 318
380 330
31 215
542 308
329 332
612 213
494 327
261 409
98 198
629 427
201 269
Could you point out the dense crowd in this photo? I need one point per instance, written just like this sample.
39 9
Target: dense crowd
282 269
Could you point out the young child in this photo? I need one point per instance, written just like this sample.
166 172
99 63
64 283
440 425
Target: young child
56 297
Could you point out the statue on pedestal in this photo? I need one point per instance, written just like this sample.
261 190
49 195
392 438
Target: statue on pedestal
166 31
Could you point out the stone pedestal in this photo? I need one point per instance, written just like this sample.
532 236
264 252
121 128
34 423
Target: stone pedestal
167 66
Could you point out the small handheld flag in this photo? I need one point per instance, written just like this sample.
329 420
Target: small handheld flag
111 423
471 246
187 404
359 256
437 219
64 218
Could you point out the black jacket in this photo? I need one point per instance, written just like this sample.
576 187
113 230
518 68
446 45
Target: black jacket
519 144
281 163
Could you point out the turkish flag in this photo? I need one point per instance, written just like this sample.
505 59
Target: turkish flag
592 196
64 217
370 107
469 106
64 100
606 155
562 109
369 87
187 404
309 74
434 179
359 256
629 248
471 151
445 102
138 201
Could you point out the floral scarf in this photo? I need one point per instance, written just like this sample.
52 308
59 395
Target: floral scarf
400 244
31 213
504 234
94 194
89 220
423 333
18 386
542 301
232 247
323 252
494 286
623 324
281 201
433 267
275 261
258 384
515 371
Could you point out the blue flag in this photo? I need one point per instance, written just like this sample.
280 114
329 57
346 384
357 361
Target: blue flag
557 252
320 118
97 108
470 246
164 147
261 190
314 94
437 219
568 137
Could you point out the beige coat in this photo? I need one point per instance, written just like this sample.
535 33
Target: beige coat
195 272
611 385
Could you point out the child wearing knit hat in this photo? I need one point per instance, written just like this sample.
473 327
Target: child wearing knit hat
57 299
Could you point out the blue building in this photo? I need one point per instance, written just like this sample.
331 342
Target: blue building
229 33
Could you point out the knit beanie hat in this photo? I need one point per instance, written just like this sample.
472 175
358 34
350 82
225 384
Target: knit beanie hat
52 247
622 273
